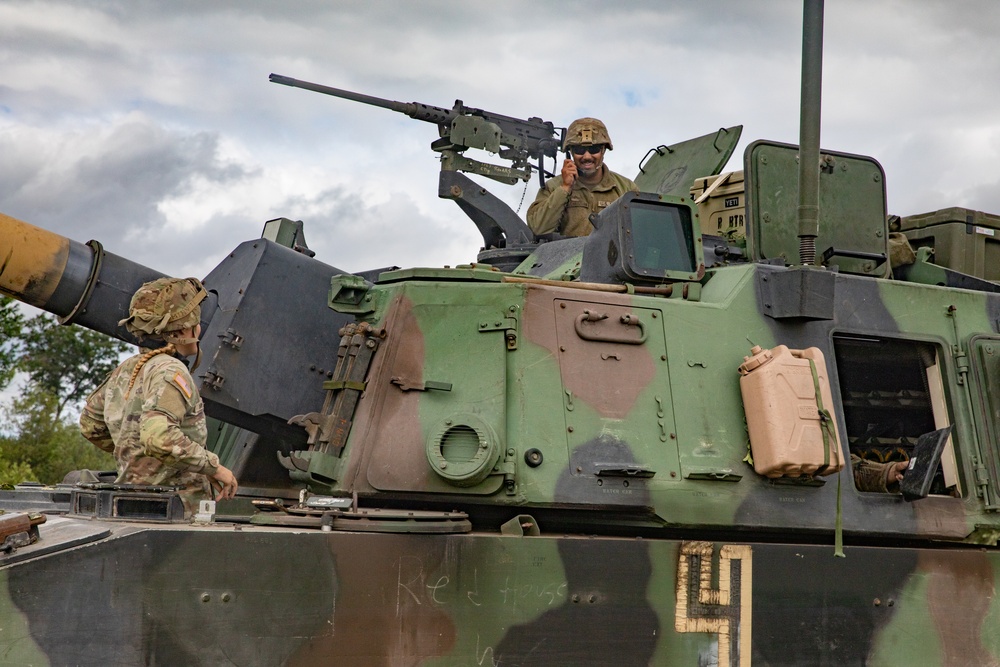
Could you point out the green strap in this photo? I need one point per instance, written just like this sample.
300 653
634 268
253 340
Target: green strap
825 419
829 439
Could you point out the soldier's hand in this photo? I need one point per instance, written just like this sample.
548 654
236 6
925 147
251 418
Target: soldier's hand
224 483
568 174
897 471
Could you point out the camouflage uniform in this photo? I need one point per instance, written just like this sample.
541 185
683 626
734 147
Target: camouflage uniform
568 213
872 476
555 210
156 427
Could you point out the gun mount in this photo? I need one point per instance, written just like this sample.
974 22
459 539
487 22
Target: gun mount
461 128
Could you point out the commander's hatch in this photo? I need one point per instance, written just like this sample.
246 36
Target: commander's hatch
853 233
672 170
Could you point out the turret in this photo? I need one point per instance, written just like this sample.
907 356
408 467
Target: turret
268 343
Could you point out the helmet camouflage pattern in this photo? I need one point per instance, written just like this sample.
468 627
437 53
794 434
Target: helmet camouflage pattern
164 305
587 132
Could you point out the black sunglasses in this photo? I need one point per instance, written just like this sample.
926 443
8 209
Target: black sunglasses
593 150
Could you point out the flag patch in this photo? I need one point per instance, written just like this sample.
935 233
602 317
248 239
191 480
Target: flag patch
182 384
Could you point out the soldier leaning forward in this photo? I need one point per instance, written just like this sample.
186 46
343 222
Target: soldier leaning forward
148 412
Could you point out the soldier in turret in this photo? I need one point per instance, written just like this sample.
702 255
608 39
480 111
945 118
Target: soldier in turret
148 412
584 186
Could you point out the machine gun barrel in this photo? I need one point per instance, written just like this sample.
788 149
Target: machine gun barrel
415 110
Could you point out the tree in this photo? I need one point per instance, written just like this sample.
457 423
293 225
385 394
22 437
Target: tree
67 362
63 364
44 447
11 324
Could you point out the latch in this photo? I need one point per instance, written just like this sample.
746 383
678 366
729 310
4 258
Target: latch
506 323
410 385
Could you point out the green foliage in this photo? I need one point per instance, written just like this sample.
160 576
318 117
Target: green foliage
63 364
66 362
44 447
11 324
14 472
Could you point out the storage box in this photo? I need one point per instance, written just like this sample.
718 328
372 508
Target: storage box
721 201
962 239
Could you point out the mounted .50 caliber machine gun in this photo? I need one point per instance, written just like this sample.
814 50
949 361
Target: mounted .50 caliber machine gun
462 128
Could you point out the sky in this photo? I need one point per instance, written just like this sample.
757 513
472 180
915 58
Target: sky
151 125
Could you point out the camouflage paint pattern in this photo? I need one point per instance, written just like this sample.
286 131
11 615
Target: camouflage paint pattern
258 596
658 545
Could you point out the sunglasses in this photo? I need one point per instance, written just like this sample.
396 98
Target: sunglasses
593 150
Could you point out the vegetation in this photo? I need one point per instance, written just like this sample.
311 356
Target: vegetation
61 365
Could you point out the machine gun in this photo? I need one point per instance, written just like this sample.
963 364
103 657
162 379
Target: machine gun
463 127
460 129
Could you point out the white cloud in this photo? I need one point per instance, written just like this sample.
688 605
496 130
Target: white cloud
152 127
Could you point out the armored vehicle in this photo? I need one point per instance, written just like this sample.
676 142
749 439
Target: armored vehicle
636 447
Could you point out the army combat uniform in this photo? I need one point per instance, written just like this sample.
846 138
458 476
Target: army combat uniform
156 430
555 210
872 475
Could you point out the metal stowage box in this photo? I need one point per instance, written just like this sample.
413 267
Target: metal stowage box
788 403
962 239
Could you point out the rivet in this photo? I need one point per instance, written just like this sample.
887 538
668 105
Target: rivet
205 597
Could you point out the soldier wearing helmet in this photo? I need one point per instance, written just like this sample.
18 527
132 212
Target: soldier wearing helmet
148 412
585 185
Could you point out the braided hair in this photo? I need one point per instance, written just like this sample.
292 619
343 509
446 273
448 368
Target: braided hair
167 349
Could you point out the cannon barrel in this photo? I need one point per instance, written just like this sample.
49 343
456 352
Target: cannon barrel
80 283
266 328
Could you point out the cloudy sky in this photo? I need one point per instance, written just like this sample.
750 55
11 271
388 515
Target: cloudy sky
151 125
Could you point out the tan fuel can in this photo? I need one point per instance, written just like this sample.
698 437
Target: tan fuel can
789 411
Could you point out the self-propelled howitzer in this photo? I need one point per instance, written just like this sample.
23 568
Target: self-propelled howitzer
550 465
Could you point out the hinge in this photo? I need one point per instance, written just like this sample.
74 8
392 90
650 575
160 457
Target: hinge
507 468
214 379
232 339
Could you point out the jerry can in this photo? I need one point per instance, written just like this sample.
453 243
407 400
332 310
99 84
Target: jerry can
789 411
